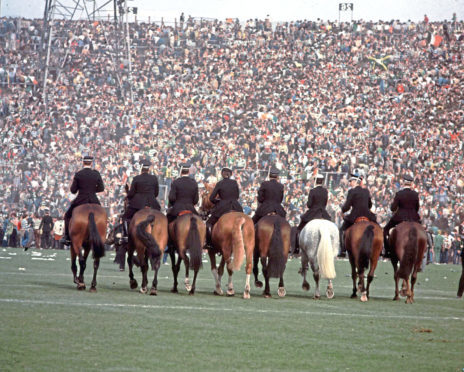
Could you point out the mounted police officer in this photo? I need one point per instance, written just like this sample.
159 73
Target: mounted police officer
405 207
270 196
87 183
229 193
183 195
359 201
317 203
142 194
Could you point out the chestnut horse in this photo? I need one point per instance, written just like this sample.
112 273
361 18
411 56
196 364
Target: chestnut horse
272 247
148 236
233 234
409 240
188 232
364 242
87 229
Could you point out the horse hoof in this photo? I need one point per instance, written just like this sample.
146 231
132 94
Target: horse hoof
305 286
191 293
267 295
281 292
396 298
363 298
153 292
133 284
81 286
143 290
75 280
246 295
218 293
188 287
353 296
174 290
230 293
93 290
329 293
258 284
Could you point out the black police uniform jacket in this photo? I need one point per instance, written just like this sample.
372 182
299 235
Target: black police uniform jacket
405 206
87 182
317 202
183 195
359 200
46 225
229 193
143 192
270 196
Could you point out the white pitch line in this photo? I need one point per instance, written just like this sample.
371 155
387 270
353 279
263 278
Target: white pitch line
215 309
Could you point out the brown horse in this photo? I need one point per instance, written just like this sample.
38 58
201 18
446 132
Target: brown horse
409 240
148 236
364 242
188 232
272 247
87 229
233 234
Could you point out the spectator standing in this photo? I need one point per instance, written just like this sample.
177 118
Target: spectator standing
46 227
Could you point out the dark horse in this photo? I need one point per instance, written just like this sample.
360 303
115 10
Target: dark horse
188 232
148 235
272 239
115 238
363 241
233 234
409 240
87 229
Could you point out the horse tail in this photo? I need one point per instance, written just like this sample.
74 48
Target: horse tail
238 246
409 256
95 240
325 255
276 264
365 247
193 243
147 239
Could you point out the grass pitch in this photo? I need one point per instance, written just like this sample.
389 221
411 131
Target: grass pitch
47 325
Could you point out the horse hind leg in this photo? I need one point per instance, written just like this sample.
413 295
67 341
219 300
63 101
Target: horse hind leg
74 266
154 284
217 277
82 266
187 284
304 271
353 277
144 269
267 288
281 292
192 289
317 293
130 263
329 292
362 288
258 283
230 285
96 264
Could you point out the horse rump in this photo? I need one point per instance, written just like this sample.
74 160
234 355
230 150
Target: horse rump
95 241
193 243
147 239
409 256
365 247
276 263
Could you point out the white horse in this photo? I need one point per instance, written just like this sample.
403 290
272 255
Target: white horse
319 244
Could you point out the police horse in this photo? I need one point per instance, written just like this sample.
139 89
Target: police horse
233 237
272 246
87 230
409 242
319 244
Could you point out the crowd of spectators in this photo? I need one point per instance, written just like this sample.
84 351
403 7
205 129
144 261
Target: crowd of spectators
384 98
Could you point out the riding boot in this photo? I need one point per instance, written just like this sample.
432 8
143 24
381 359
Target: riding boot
125 231
66 240
209 239
342 253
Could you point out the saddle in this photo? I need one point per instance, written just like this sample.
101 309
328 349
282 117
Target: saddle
185 211
361 219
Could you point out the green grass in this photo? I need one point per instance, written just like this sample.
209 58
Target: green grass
47 325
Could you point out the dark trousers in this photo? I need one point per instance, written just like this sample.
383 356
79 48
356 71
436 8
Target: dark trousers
45 240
